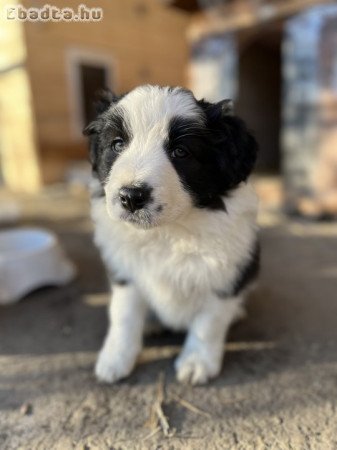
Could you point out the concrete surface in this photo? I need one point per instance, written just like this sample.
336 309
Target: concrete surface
277 390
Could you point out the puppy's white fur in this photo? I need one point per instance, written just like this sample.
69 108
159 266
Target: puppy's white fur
180 260
176 270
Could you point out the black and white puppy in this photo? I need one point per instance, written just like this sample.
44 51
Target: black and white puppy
175 220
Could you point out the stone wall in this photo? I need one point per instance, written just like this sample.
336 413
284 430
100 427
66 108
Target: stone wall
309 103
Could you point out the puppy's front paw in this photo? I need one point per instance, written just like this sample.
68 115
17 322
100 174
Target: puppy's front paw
109 369
192 368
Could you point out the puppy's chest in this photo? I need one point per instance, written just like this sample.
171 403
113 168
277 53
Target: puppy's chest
175 264
175 270
173 275
159 257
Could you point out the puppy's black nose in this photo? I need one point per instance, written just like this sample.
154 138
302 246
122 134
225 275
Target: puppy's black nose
133 198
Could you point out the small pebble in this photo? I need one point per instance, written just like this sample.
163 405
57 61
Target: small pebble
26 409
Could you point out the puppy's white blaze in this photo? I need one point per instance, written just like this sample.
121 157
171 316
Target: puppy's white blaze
153 106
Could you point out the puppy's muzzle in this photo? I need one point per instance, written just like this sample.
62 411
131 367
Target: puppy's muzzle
133 198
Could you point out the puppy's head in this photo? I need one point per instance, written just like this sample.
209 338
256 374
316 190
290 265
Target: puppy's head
158 152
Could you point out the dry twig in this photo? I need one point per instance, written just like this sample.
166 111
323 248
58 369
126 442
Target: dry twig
157 417
189 406
152 433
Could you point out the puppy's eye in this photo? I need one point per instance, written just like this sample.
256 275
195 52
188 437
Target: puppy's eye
117 145
180 152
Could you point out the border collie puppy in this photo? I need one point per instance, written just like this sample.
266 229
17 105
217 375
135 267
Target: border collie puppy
175 221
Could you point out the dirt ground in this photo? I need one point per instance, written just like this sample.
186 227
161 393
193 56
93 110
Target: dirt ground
277 389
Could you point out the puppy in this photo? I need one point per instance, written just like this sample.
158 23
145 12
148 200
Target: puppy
175 221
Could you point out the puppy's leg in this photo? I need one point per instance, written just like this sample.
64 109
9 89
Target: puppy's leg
202 354
124 339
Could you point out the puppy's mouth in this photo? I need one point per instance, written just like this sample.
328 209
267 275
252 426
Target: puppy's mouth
143 218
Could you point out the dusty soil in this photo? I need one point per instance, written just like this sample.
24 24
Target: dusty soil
277 389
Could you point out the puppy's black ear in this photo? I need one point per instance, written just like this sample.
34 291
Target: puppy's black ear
92 131
103 100
92 128
235 145
214 111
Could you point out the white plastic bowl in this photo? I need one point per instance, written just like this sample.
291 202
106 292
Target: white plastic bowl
31 258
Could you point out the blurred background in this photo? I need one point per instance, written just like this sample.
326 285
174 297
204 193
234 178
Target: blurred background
277 60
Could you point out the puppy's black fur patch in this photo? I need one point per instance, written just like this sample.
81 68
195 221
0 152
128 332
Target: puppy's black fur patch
222 153
120 282
102 132
199 171
246 274
116 279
